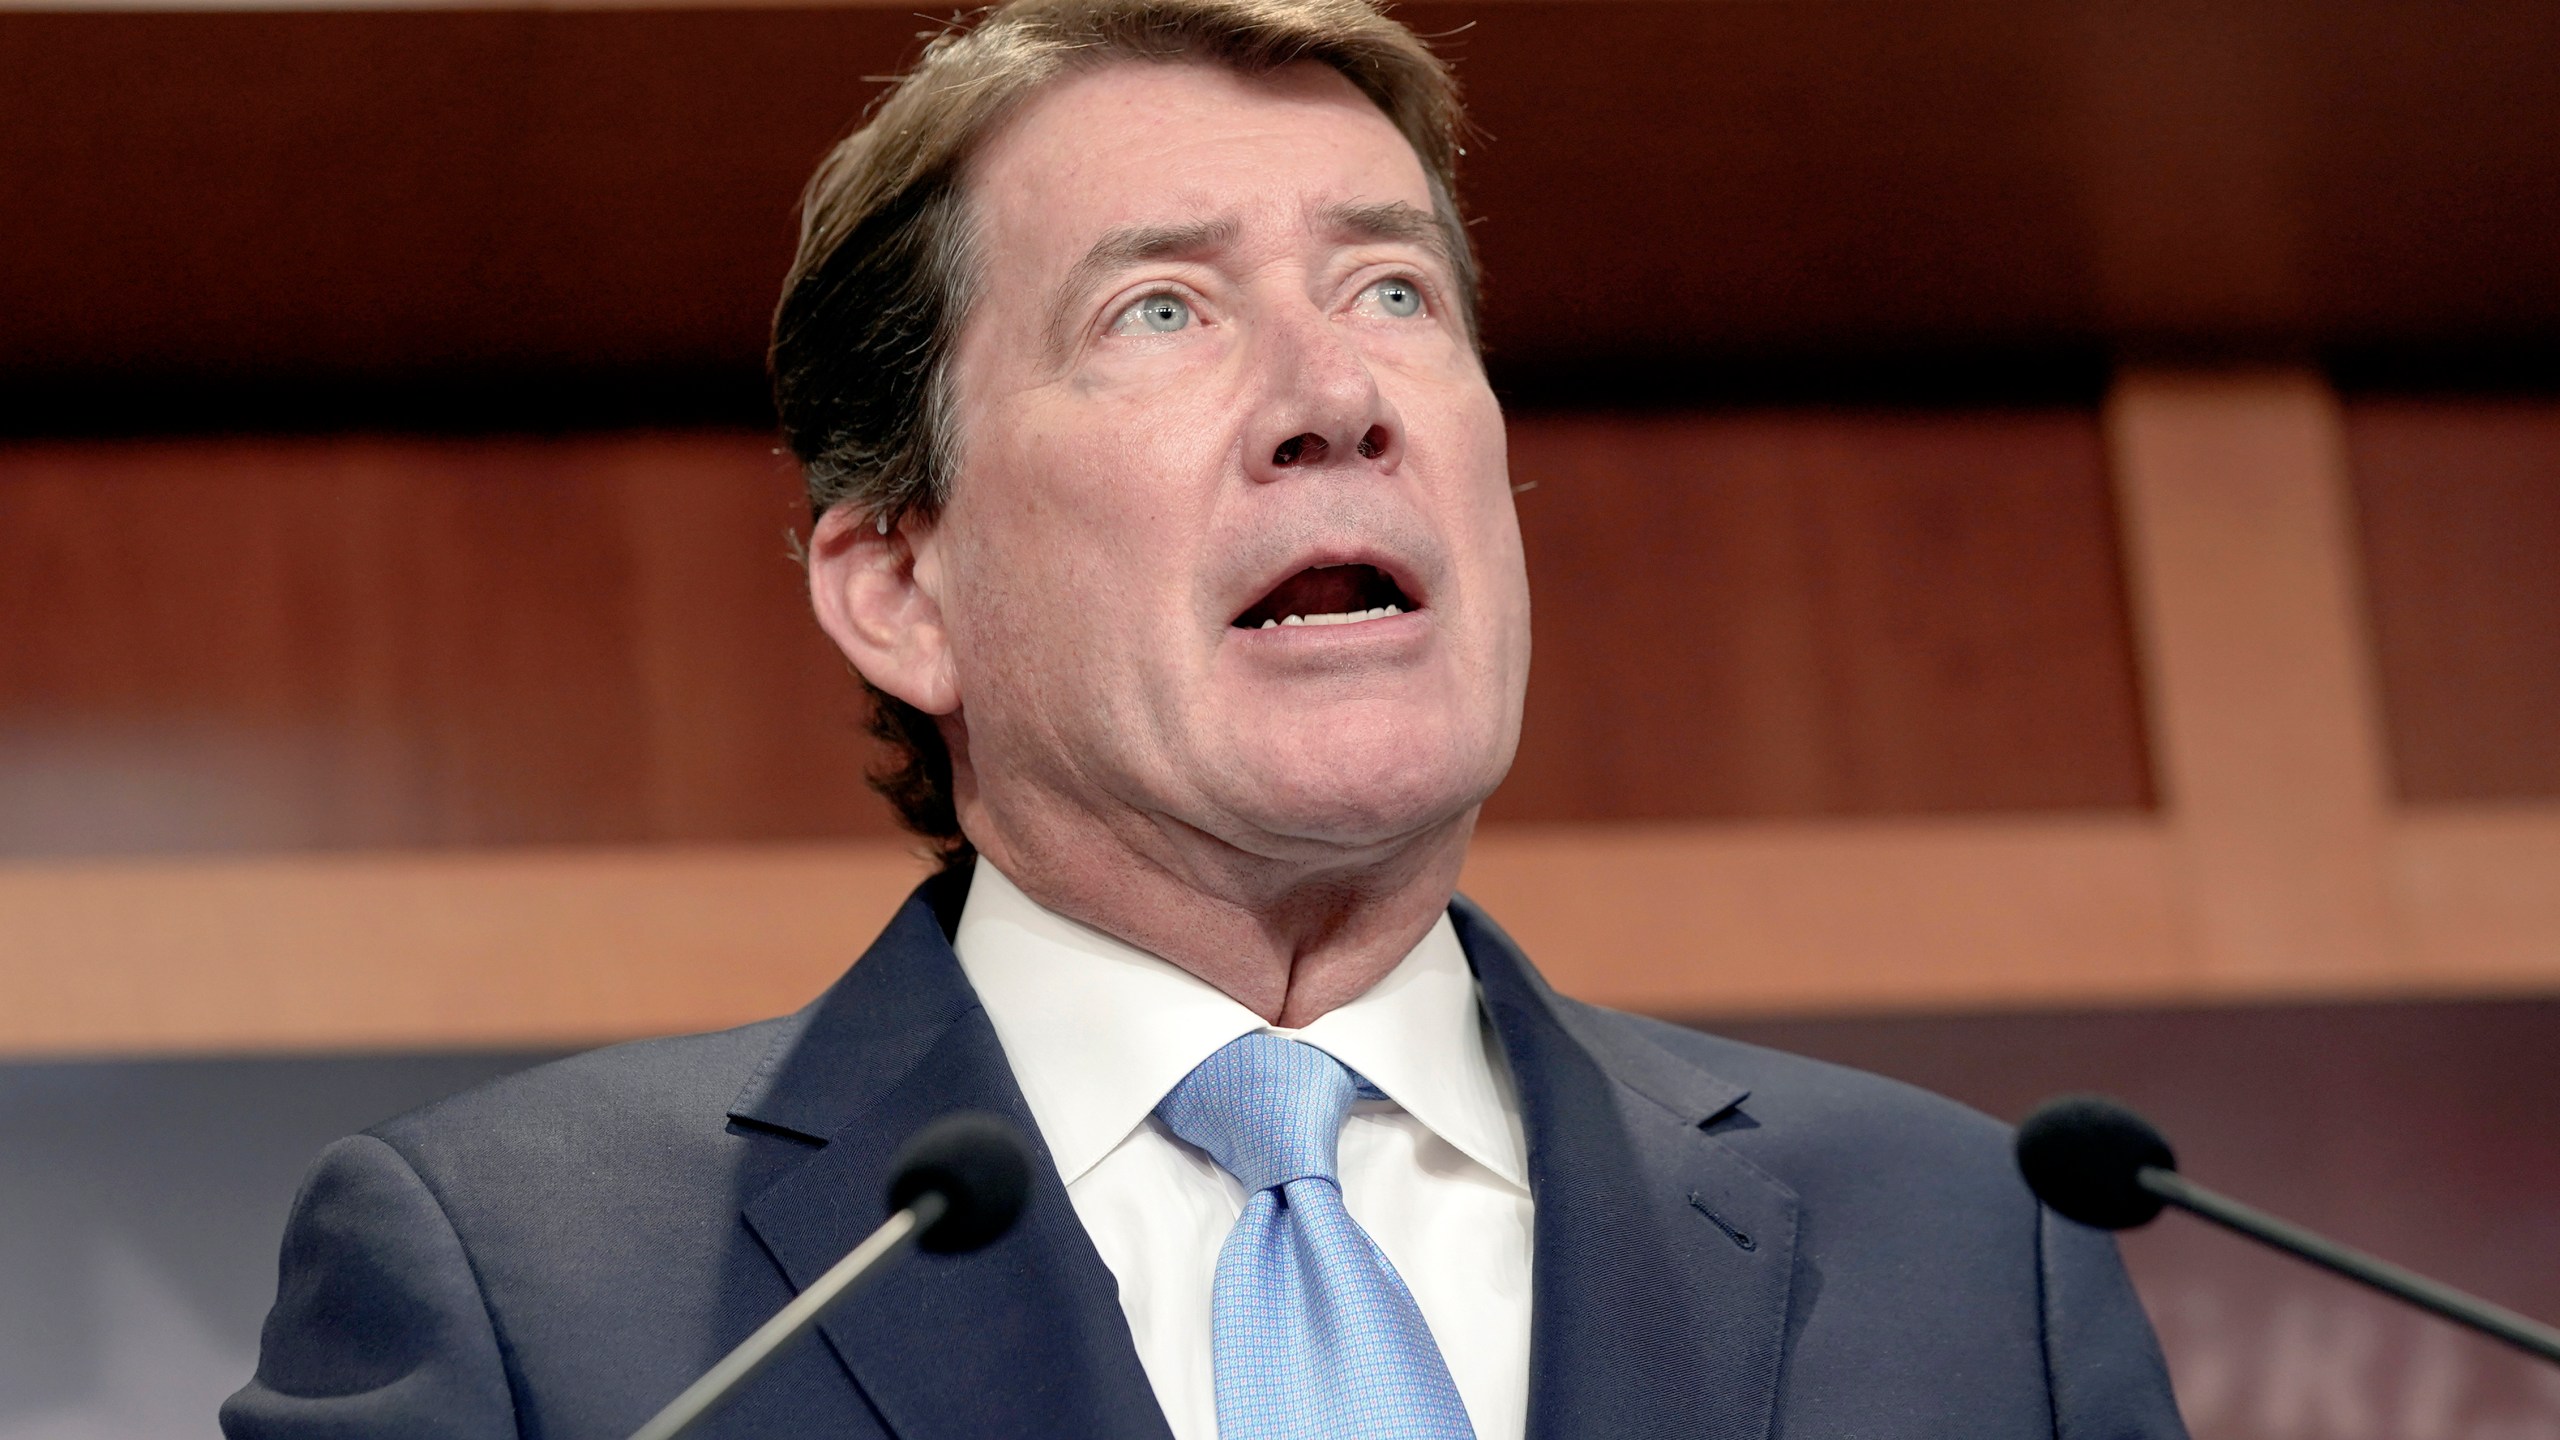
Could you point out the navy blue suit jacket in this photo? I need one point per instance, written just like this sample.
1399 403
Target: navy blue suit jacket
1730 1242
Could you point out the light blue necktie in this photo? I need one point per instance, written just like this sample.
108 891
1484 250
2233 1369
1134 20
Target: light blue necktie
1313 1335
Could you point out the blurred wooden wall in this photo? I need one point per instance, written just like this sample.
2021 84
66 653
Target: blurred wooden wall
363 739
1975 561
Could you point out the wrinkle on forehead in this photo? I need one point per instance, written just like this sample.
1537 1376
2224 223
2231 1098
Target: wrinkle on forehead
1120 148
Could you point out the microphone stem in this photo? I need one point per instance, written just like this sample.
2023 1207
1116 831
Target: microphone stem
2497 1322
738 1366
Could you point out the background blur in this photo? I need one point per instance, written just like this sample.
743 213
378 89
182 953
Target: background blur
2046 536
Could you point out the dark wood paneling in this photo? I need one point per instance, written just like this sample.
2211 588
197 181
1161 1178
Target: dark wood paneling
410 192
279 644
1811 613
2460 510
413 193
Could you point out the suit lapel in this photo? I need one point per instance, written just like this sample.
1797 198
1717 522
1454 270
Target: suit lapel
1664 1260
1024 1338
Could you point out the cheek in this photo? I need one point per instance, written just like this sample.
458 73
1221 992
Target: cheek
1082 539
1471 465
1485 526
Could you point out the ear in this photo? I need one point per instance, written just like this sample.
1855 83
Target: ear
877 596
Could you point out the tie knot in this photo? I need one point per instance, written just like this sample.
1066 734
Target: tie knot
1269 1109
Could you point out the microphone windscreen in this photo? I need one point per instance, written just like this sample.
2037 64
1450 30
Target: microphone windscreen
981 1169
2083 1155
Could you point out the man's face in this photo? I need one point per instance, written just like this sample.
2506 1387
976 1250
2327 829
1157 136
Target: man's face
1231 545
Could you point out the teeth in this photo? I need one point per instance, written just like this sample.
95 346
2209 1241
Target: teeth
1352 617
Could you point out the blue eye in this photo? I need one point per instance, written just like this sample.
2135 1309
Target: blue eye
1400 298
1157 314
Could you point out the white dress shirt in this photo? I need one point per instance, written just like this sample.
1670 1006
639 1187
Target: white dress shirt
1097 1031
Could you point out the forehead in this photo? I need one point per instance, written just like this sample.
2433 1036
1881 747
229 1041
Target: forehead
1135 143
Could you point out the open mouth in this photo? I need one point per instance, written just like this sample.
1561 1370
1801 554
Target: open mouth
1328 595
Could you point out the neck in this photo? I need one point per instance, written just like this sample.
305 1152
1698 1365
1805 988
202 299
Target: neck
1289 937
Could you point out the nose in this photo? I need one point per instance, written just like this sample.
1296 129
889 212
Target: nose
1322 410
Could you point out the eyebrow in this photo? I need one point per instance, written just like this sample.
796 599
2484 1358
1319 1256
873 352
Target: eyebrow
1388 220
1383 220
1128 246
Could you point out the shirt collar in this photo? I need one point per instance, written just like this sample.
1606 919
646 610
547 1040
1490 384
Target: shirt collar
1097 1031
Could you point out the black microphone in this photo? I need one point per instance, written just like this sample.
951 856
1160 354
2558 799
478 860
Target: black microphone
2094 1161
959 1184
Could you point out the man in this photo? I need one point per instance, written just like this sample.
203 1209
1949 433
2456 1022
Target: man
1162 502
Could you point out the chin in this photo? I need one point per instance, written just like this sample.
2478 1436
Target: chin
1350 790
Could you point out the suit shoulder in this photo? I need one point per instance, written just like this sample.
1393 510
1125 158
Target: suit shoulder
606 1095
1837 1103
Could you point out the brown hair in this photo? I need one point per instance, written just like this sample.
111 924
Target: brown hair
877 295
